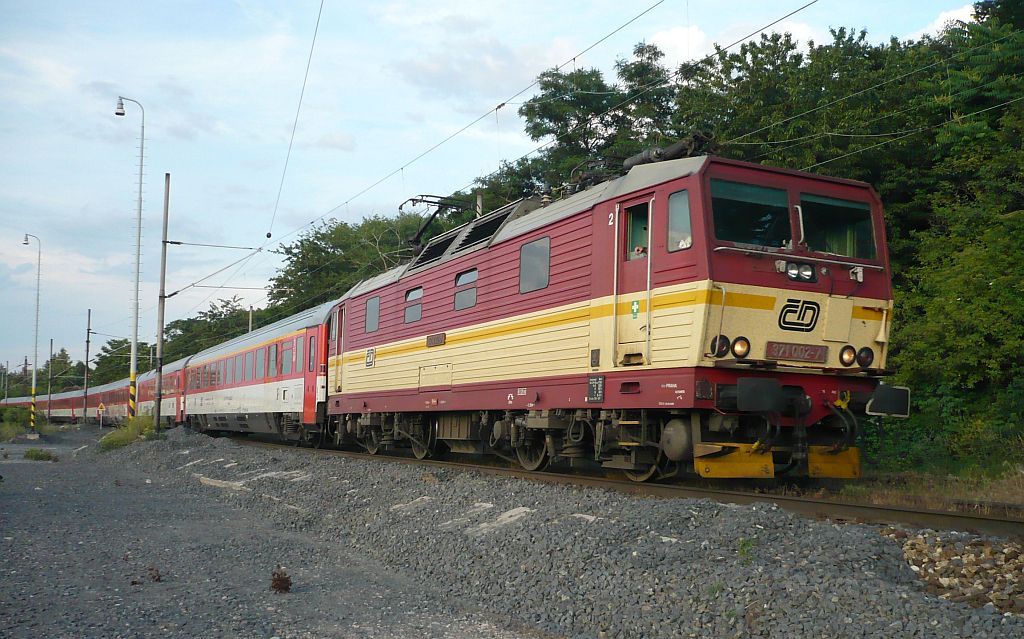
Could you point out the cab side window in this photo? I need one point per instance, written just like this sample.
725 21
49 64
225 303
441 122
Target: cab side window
680 233
636 231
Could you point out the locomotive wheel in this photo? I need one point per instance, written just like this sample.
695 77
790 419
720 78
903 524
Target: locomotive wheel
427 437
533 455
372 443
652 472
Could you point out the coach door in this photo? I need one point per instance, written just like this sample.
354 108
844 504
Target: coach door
310 370
632 276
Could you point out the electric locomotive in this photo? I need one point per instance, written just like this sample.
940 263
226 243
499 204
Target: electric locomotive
697 315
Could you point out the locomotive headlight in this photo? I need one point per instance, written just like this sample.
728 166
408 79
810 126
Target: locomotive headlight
792 270
720 346
740 347
806 272
865 356
848 355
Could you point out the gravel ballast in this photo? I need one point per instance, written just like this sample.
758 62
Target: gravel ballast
574 562
103 545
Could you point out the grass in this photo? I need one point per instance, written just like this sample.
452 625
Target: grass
13 422
38 454
745 549
138 428
9 431
938 491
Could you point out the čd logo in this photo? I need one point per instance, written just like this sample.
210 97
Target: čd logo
799 315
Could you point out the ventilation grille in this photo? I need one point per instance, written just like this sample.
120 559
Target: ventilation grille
434 250
483 230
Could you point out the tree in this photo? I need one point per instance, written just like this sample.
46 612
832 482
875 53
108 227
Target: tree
644 118
332 258
113 362
225 319
1009 12
64 372
572 111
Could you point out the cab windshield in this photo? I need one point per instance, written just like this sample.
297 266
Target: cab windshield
748 214
838 227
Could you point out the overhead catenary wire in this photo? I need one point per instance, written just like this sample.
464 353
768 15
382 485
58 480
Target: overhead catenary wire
622 103
871 88
927 128
401 169
295 123
795 142
409 162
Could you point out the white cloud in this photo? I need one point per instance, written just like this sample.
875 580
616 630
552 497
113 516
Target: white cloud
340 141
963 14
682 44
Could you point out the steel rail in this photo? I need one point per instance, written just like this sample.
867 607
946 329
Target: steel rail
839 511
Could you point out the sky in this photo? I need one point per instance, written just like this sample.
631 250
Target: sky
220 83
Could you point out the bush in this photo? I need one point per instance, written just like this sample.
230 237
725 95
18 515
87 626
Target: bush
38 454
140 427
13 422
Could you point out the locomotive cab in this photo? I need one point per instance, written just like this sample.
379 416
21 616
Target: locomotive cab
797 322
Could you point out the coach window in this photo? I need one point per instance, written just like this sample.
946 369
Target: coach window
298 354
680 235
413 312
248 366
749 214
636 229
312 353
372 314
261 356
230 378
535 265
238 369
223 377
272 360
465 289
286 358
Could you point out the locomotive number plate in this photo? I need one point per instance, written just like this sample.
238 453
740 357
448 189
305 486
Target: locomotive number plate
797 352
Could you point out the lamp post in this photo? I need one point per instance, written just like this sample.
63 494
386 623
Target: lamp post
35 351
138 251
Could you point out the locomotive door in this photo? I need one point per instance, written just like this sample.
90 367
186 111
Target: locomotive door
633 280
336 340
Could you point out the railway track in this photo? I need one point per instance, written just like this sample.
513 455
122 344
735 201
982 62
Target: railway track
1003 526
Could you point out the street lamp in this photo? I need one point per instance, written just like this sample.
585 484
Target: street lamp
138 252
35 352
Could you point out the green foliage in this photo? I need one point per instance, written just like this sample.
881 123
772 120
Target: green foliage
223 320
140 427
9 431
1009 12
113 362
39 454
14 421
745 549
332 258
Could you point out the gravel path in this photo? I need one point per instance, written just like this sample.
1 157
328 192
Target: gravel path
576 562
85 539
